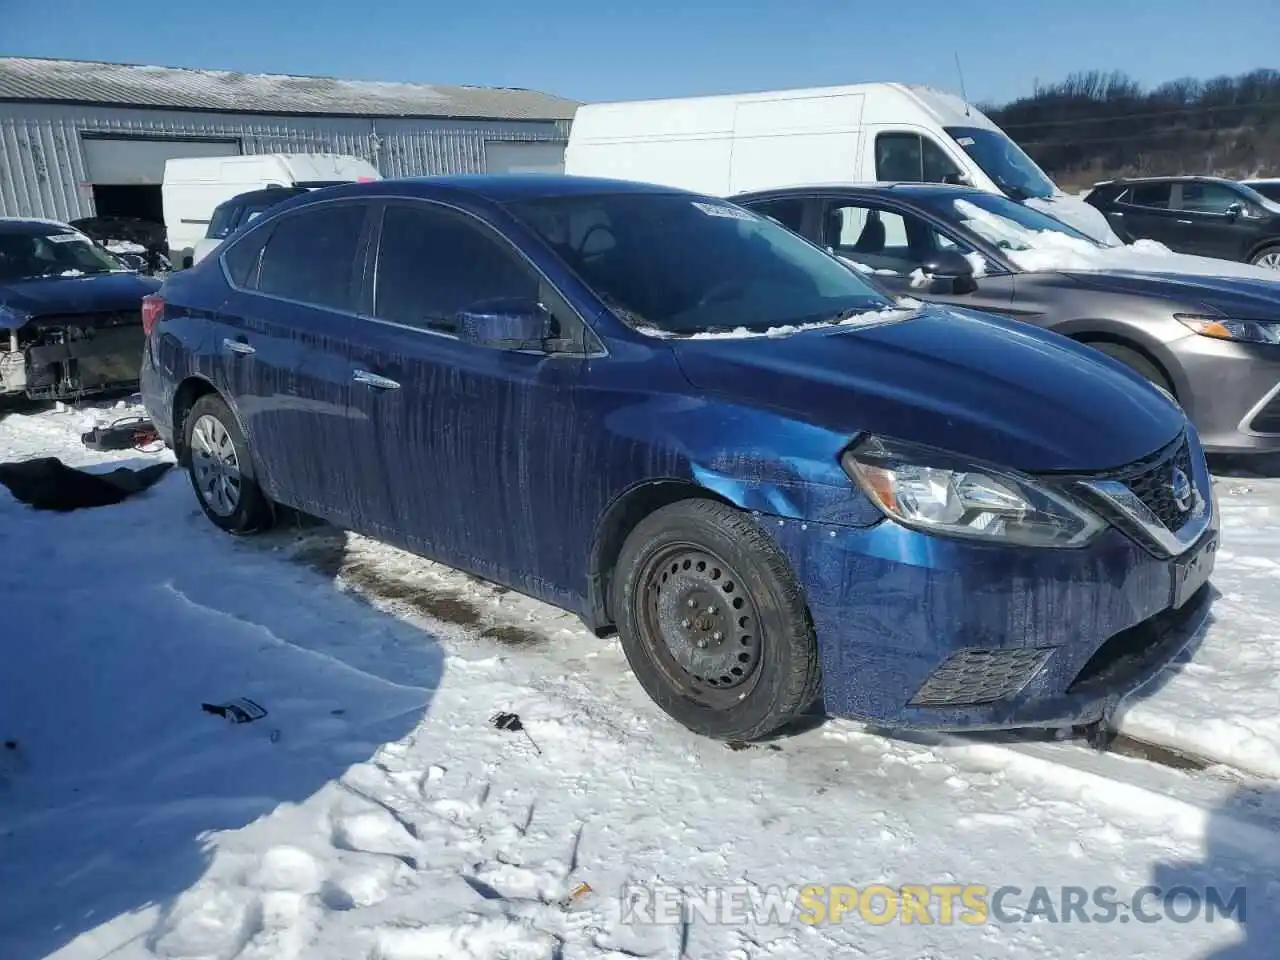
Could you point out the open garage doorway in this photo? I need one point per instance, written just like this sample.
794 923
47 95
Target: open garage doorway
126 172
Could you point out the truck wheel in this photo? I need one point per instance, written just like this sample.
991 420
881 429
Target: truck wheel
221 468
713 622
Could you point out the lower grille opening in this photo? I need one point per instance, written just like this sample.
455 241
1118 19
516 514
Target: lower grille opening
978 675
1126 651
1267 420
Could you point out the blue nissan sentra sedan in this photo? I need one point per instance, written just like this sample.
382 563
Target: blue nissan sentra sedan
684 423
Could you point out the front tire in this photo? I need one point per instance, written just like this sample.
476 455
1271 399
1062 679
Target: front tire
1135 361
713 622
221 468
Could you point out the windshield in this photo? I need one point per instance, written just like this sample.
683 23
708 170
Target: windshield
1267 189
684 266
29 256
1003 161
1005 224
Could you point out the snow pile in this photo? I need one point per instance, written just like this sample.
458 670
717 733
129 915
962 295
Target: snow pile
866 268
1048 250
376 813
869 318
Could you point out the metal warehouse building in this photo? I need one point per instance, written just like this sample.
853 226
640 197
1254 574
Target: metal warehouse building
81 139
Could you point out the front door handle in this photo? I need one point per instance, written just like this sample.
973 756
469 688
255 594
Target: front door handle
1186 223
373 380
238 346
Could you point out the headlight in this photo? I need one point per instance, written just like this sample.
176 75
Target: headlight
934 491
1223 328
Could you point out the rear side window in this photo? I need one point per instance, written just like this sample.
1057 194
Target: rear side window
433 263
1150 195
911 158
311 256
223 222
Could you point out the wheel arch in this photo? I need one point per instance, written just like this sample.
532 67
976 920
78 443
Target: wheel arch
1092 335
1261 245
191 389
615 525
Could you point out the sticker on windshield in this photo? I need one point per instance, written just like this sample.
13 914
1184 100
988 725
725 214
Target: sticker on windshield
729 213
965 141
65 237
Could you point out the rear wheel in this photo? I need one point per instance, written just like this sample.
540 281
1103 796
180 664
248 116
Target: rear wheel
713 622
221 468
1268 257
1137 362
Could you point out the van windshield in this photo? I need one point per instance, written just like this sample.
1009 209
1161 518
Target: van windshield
1003 161
680 265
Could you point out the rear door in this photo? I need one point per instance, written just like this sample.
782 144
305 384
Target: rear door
291 344
892 243
1145 212
1206 226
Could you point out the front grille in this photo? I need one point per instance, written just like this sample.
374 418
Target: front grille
977 676
1154 486
1267 420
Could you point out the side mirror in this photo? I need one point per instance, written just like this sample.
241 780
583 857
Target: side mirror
511 324
1235 210
950 266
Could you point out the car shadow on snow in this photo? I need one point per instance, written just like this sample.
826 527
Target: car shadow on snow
1236 881
1244 467
120 623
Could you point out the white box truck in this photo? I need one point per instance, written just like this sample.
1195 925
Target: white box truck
193 186
729 144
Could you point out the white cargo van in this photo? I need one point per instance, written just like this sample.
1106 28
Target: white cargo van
193 186
723 145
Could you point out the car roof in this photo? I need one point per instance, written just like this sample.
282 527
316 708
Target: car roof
1181 178
498 188
905 190
283 193
33 226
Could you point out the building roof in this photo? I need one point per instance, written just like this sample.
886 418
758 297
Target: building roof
120 84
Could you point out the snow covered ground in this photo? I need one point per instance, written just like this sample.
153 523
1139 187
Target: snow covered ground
375 812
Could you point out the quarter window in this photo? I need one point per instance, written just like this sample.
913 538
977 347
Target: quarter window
432 264
311 256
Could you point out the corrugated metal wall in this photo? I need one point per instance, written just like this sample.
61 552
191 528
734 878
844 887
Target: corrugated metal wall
42 166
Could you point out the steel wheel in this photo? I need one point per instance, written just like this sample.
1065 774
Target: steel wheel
701 627
215 465
1270 259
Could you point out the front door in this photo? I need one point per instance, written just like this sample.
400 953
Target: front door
1206 224
477 439
892 245
1145 212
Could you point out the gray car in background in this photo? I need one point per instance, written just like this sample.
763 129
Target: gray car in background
1207 331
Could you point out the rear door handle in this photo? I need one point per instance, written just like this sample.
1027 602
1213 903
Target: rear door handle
373 380
238 346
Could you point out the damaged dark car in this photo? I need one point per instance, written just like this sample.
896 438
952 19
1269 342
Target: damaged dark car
70 314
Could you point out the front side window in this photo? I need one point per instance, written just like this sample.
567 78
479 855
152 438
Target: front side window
911 158
1009 168
883 241
1208 198
57 253
433 264
1270 189
311 256
679 265
788 211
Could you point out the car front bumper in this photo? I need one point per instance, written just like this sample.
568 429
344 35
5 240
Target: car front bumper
1231 391
921 631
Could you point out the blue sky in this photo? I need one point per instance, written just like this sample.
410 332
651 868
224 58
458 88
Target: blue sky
655 48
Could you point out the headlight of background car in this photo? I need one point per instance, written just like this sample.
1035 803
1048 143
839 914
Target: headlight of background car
1224 328
934 491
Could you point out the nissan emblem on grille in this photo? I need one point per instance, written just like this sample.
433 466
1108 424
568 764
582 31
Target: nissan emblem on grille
1180 487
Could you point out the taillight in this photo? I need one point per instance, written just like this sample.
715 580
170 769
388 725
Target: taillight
152 310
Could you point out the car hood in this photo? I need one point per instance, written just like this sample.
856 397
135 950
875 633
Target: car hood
992 389
1074 212
21 300
1254 299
